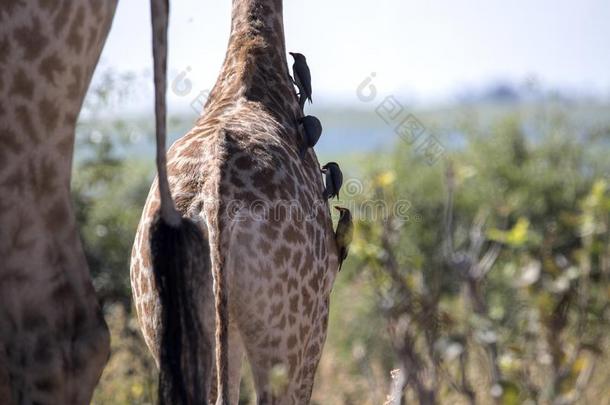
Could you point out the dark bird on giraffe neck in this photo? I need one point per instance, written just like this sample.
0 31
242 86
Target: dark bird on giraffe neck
334 180
312 129
302 77
344 233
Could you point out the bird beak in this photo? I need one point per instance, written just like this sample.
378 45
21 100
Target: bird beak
292 54
338 208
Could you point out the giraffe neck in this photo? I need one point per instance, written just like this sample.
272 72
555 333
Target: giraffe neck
255 66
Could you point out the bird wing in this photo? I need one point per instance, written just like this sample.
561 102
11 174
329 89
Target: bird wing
301 70
329 183
296 77
349 237
337 180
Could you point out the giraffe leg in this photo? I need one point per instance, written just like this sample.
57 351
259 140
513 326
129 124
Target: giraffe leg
236 355
284 371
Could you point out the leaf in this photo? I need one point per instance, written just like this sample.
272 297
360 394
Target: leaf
579 364
386 178
517 236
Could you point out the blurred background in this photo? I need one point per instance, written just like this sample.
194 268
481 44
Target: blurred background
474 141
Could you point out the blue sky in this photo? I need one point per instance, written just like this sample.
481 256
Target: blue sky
426 50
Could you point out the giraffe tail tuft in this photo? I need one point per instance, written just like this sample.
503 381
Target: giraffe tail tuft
182 269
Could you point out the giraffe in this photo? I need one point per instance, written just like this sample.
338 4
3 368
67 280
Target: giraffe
271 242
54 342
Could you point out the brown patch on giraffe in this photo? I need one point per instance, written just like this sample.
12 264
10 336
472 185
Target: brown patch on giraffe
19 239
292 342
314 350
43 177
294 304
96 8
32 320
62 294
62 17
275 342
8 6
292 366
22 85
24 118
49 113
5 50
49 5
255 93
246 196
30 39
93 32
296 259
278 289
292 235
282 255
65 145
146 259
14 180
307 264
75 88
293 284
304 331
262 180
75 38
269 231
276 310
261 306
307 302
144 285
10 146
266 273
282 323
57 216
47 384
315 282
264 246
283 276
245 240
243 163
51 66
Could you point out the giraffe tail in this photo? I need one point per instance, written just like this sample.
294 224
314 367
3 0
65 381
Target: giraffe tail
181 263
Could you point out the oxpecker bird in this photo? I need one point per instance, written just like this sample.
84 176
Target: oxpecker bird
302 77
312 129
344 233
334 180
